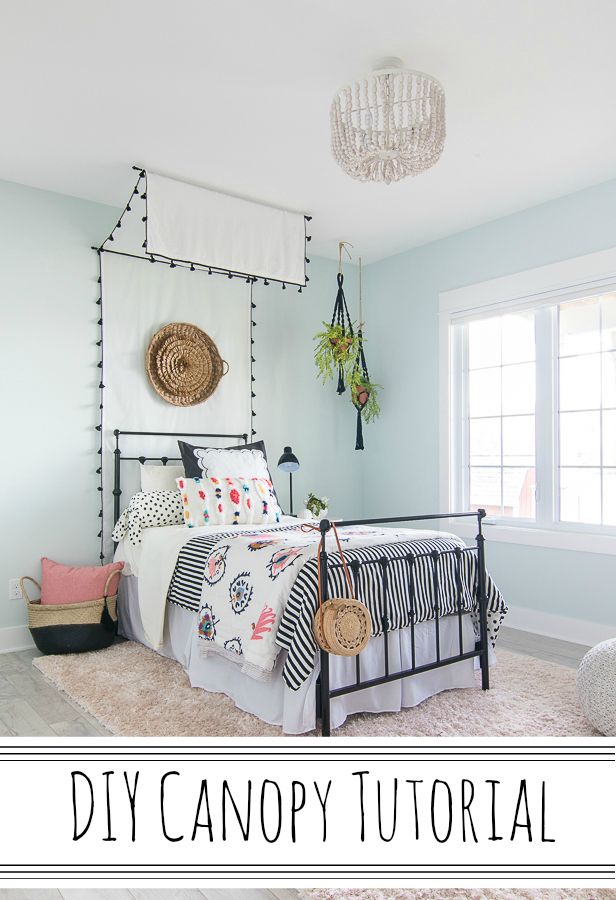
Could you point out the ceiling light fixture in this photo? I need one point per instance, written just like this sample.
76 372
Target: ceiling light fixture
389 125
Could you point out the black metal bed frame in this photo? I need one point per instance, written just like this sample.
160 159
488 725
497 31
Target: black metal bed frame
118 459
324 693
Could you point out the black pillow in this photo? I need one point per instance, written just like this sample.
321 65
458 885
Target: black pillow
192 469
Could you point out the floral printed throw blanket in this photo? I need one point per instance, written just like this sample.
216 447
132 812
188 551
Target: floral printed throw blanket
247 580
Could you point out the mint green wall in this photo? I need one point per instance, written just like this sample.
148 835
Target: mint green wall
48 501
401 456
48 378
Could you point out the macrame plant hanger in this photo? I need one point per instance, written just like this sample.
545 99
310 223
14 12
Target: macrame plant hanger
358 395
341 311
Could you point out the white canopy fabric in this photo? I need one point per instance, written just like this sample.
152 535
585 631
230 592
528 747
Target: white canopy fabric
194 224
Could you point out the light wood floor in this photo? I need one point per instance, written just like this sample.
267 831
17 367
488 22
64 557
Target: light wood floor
29 706
148 894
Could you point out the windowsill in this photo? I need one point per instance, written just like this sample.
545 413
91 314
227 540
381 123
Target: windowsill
579 541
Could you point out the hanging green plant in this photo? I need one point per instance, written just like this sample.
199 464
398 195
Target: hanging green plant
336 350
364 394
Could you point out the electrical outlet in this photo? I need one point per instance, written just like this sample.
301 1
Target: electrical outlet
15 589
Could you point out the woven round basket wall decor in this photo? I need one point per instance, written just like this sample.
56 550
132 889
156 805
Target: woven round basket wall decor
183 364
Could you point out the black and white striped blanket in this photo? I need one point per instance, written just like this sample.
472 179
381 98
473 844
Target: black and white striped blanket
410 596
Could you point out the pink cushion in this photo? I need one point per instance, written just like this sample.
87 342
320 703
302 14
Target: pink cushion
75 584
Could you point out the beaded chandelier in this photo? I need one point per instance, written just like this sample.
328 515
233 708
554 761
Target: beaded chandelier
390 125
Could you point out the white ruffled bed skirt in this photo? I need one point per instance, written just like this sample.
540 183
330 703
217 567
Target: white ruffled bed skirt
273 702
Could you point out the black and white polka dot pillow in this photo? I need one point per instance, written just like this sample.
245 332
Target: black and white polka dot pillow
152 509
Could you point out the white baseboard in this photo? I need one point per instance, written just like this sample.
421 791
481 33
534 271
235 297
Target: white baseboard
578 631
17 638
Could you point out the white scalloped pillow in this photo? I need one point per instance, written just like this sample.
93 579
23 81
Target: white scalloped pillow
223 500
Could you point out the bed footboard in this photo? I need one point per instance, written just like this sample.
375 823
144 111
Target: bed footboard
324 693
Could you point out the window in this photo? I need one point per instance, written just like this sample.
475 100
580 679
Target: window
533 424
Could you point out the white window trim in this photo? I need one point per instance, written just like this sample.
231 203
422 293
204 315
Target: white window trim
572 278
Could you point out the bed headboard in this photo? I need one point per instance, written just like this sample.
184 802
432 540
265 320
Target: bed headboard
118 458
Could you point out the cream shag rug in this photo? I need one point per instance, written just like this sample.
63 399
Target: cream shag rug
135 692
457 894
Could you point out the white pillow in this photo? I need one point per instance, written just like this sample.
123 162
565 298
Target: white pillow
228 501
243 461
160 478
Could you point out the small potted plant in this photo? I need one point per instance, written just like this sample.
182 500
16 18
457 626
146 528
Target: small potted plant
317 506
336 348
364 394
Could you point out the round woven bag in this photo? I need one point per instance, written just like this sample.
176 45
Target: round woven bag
183 364
342 625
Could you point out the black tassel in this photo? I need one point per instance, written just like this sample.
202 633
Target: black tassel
128 208
100 451
143 196
144 218
98 427
144 245
119 225
359 437
253 414
306 258
253 431
110 238
253 305
300 290
136 191
99 279
100 534
102 556
98 343
192 267
308 237
101 385
254 324
253 395
172 265
152 259
252 378
308 218
99 470
284 287
265 282
100 515
341 387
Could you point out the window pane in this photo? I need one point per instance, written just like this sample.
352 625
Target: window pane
579 326
609 379
580 495
580 439
609 438
580 382
519 493
609 496
608 321
519 441
484 343
518 337
519 389
485 442
485 490
485 392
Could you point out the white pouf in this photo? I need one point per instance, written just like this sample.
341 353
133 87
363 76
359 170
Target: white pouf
596 686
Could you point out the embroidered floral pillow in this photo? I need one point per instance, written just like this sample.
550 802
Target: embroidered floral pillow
228 501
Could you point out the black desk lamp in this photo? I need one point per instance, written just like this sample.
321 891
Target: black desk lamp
288 462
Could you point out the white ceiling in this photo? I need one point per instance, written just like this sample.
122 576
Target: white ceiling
235 96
